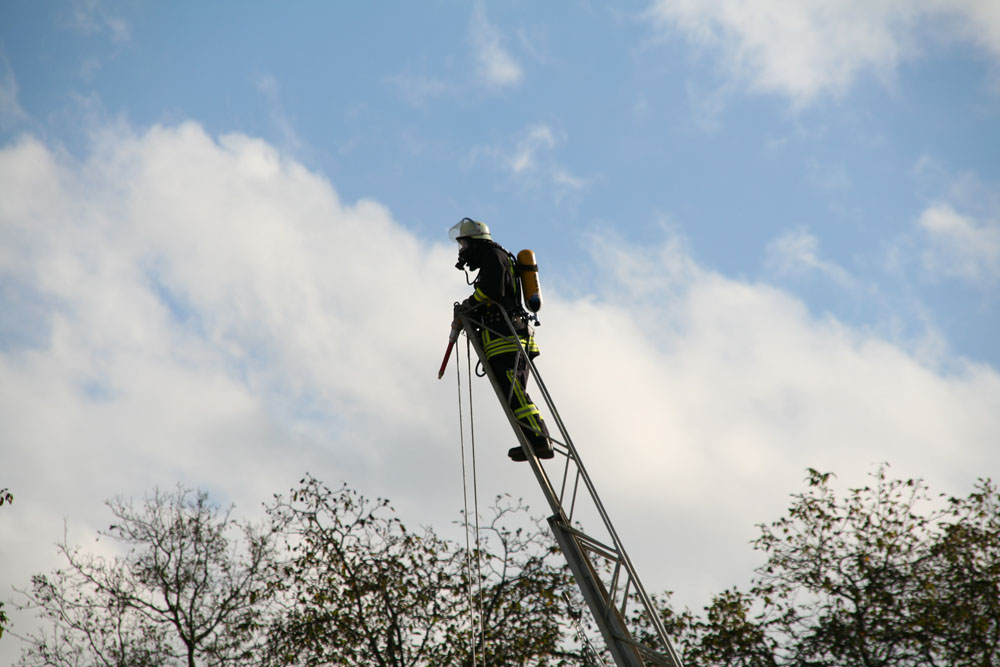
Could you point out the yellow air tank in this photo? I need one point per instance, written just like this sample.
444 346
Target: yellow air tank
529 280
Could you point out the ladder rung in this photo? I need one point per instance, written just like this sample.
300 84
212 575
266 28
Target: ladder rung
601 549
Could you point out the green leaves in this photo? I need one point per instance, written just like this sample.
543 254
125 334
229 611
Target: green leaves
333 578
882 575
885 575
362 589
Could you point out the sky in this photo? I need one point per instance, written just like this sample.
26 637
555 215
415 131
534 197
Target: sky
768 236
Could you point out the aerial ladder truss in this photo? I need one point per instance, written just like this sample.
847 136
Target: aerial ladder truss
595 554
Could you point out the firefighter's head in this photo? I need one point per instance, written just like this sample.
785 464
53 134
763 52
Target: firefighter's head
470 235
467 228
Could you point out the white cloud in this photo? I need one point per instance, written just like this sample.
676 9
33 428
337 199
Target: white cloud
204 311
816 47
531 162
529 159
267 85
10 106
700 400
497 69
418 90
207 310
976 20
563 178
538 138
961 247
796 253
707 105
93 17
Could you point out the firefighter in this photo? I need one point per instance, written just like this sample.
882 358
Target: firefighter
496 288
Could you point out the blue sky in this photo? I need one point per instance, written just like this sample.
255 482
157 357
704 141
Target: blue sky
769 239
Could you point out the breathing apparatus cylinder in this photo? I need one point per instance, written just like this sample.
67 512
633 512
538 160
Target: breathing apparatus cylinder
529 280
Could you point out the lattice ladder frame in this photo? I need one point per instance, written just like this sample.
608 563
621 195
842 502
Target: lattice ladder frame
608 600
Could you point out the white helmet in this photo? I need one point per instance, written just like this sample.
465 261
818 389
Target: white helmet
467 228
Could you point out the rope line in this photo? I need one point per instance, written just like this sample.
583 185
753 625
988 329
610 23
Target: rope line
465 507
475 499
477 619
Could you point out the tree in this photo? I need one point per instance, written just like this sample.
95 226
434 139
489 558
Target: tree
333 579
887 576
960 605
5 497
358 588
527 594
728 635
189 589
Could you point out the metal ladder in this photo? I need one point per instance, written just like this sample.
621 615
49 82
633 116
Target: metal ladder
602 569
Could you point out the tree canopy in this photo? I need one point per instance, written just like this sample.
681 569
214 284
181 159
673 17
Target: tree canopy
186 591
5 497
331 578
886 576
361 589
883 575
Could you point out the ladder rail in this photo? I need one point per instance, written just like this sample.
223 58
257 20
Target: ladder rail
600 599
581 469
470 325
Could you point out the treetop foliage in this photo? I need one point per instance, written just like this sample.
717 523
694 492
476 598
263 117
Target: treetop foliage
887 575
882 575
5 497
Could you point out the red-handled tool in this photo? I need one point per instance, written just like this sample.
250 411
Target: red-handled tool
456 328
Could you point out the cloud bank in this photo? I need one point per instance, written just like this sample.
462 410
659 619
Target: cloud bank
181 307
806 49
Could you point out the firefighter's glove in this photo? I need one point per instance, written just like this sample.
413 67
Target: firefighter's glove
463 306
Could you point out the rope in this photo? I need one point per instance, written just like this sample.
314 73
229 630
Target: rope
475 497
465 507
465 504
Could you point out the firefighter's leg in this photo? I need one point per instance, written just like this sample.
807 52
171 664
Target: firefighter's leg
512 382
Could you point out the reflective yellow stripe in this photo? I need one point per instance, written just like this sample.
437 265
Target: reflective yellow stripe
525 414
522 399
494 345
535 424
500 347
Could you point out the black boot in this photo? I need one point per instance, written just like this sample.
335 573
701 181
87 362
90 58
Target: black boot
541 446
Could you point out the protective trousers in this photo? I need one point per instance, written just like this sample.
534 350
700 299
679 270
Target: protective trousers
510 368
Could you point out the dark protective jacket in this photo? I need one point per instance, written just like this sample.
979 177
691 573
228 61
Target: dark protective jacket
497 283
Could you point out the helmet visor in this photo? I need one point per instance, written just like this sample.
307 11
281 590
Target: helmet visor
469 228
